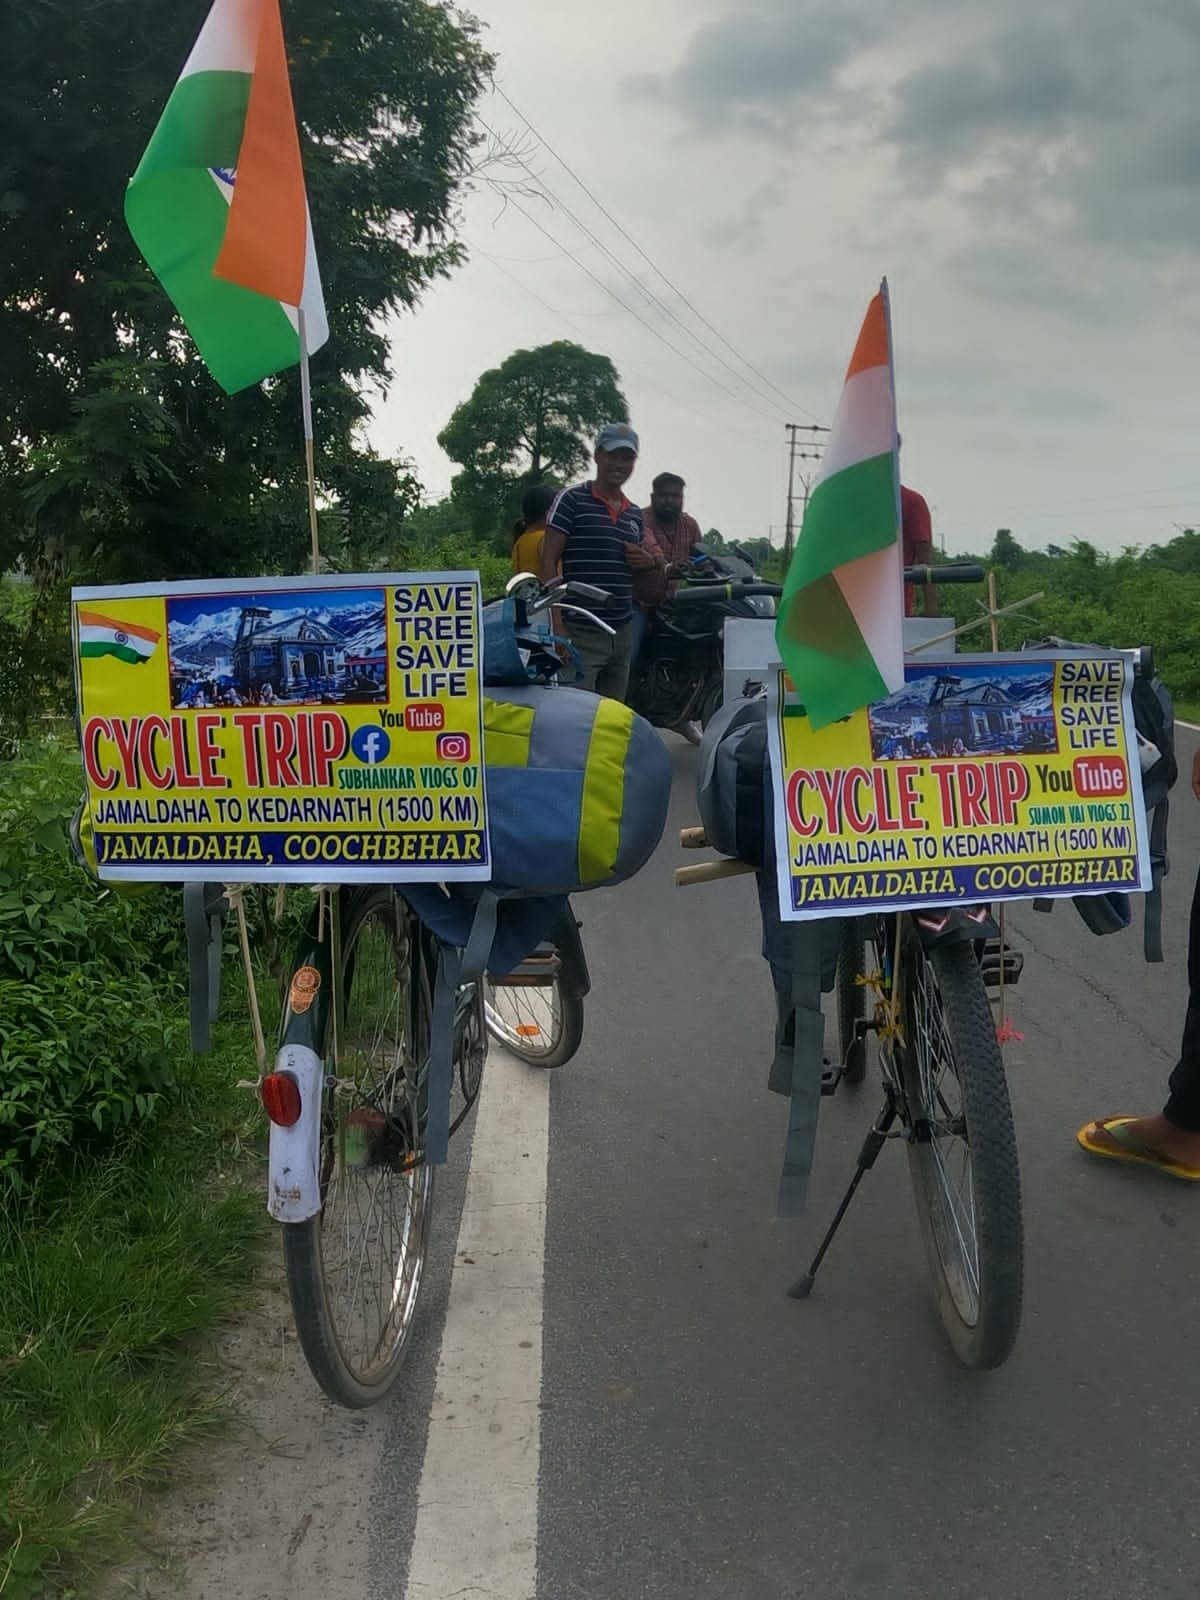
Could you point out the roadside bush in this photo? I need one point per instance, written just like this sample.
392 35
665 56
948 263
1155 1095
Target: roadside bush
90 982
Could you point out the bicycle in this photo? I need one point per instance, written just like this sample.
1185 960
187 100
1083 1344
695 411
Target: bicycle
944 1084
536 1010
374 1007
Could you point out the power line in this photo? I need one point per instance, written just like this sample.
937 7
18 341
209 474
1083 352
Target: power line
566 317
649 326
556 202
657 270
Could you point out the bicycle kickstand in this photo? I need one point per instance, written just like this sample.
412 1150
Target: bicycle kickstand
871 1146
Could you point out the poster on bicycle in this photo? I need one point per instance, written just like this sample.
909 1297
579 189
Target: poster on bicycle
324 729
985 778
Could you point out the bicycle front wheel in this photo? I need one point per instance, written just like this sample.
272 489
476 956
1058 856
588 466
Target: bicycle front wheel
354 1270
962 1150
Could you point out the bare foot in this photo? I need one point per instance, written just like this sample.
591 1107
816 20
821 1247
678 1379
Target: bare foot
1164 1139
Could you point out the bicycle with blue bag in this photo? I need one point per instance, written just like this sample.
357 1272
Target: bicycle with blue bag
394 988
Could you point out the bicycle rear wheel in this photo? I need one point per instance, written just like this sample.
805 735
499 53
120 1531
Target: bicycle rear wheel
536 1012
962 1150
354 1270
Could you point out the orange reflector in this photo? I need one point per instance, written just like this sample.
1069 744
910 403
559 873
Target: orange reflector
528 1030
281 1098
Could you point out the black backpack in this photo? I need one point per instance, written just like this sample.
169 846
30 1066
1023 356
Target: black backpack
733 780
1154 719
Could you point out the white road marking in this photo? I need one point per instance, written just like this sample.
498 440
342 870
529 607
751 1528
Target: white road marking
477 1504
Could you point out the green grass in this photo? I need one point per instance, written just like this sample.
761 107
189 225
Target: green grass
109 1271
1187 712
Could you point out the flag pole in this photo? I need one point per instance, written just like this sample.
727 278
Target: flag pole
309 467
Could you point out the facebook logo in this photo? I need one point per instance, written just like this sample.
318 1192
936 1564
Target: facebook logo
370 745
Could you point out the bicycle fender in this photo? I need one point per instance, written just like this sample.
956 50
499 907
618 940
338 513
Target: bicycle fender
293 1188
954 925
576 979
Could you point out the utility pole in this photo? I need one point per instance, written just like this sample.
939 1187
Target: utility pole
799 450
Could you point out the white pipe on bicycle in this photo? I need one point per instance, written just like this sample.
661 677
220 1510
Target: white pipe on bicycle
293 1187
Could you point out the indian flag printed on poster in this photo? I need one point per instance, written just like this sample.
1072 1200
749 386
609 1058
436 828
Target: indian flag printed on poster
218 206
842 607
101 635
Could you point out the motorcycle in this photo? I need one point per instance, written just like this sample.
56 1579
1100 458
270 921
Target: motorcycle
678 677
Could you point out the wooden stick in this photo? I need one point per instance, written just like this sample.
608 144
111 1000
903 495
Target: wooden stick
991 591
710 871
310 473
260 1043
976 622
693 838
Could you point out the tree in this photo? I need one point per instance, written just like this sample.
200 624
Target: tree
1006 552
529 420
119 457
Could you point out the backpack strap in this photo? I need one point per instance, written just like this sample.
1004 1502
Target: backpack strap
1159 867
454 968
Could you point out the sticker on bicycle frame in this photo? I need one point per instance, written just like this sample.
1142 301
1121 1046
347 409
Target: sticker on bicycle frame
303 730
985 778
305 983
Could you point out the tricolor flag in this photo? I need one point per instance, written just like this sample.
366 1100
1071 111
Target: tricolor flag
842 608
101 635
218 207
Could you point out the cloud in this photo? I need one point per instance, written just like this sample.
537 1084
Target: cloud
755 70
1078 119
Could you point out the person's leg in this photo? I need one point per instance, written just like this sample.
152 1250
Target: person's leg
613 679
1174 1133
592 645
1182 1109
640 618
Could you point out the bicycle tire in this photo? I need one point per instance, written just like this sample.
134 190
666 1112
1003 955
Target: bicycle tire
543 1033
369 1131
978 1288
851 1001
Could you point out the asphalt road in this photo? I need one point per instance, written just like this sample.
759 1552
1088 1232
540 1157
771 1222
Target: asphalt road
705 1438
691 1433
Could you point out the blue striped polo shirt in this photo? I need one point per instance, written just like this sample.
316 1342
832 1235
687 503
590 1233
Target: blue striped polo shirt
595 551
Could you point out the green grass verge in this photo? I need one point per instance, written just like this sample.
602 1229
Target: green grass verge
1185 712
108 1272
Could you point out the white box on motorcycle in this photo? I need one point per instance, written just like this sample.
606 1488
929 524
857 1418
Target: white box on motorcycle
750 647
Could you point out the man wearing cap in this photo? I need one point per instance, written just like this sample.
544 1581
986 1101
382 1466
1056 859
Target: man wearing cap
594 535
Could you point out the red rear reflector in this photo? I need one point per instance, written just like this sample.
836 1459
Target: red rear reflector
281 1098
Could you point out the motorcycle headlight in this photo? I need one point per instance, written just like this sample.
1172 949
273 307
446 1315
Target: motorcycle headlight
763 605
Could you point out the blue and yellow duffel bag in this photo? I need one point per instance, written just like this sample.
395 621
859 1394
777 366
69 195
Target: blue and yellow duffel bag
577 789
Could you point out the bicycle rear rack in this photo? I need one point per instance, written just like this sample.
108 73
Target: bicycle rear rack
537 971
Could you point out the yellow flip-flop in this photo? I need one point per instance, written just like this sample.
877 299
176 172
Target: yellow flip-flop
1129 1149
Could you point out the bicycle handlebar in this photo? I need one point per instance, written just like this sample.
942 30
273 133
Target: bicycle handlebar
955 572
736 589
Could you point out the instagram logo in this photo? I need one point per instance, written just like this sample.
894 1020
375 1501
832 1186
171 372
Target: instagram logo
454 746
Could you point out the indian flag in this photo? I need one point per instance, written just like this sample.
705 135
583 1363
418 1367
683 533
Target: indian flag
218 207
102 635
841 612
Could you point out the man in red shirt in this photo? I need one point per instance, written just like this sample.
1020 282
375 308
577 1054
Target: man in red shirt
670 532
916 532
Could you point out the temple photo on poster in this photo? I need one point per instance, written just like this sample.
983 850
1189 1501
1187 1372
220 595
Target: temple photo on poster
970 711
267 650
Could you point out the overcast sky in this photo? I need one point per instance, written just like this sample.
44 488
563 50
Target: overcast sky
1027 176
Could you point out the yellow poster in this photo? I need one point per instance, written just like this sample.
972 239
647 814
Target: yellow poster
284 730
984 778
